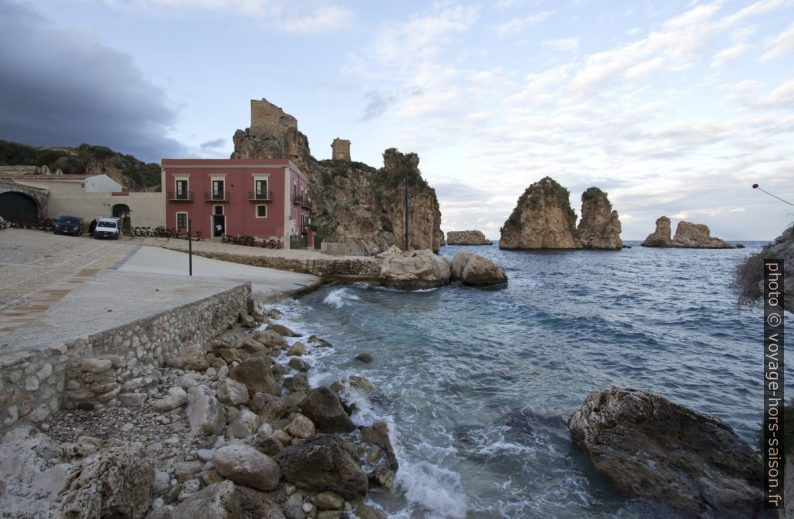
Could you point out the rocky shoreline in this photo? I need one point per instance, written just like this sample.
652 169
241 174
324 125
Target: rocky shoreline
227 429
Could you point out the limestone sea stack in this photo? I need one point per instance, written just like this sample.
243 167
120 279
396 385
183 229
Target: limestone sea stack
599 227
467 238
542 219
648 446
687 235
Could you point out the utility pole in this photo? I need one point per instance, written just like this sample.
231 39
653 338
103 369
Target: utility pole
189 249
405 211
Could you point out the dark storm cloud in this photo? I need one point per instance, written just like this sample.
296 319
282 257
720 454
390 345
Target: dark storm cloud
60 87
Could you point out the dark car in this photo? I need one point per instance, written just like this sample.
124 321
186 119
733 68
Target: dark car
68 225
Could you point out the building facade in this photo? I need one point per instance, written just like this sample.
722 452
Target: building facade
265 198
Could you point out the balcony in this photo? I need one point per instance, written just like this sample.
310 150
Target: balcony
302 201
260 196
180 197
222 197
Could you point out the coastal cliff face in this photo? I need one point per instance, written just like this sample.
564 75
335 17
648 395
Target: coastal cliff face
749 275
467 238
599 227
542 219
352 202
687 235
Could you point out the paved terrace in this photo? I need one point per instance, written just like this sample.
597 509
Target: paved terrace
57 288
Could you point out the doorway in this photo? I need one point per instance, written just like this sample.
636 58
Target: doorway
218 222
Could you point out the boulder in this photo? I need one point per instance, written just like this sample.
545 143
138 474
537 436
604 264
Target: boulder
300 427
299 382
467 238
697 236
257 374
190 357
296 350
271 339
298 364
242 423
232 392
115 482
378 434
652 448
247 466
476 270
217 501
542 219
251 345
324 408
324 463
267 406
413 269
206 414
282 330
318 342
599 227
364 357
176 397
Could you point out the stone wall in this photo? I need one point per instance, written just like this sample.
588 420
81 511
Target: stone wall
112 365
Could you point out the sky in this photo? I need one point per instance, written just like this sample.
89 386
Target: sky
672 107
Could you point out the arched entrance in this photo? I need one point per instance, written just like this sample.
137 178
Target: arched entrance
123 211
18 207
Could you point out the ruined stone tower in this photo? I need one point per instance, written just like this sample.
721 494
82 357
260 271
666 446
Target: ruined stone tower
268 119
340 149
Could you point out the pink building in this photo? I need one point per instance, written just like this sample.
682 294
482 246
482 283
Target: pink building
266 198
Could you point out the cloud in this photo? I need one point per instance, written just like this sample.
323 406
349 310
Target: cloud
213 144
563 44
76 90
296 16
518 24
780 45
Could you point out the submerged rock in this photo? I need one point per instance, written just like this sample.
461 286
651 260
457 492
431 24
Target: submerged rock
476 270
324 463
542 219
650 447
467 238
599 227
413 269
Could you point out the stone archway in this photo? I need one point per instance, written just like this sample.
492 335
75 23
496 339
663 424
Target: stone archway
21 203
122 211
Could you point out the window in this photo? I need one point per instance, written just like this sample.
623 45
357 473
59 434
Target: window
181 190
261 189
261 211
217 190
217 209
181 221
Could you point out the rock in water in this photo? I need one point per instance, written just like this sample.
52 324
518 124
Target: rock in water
115 482
661 237
473 269
324 408
687 235
542 219
467 238
413 269
599 227
217 501
697 236
650 447
324 463
247 466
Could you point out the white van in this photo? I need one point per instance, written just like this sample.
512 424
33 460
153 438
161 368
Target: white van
108 228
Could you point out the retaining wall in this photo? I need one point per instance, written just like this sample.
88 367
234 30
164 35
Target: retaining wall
112 365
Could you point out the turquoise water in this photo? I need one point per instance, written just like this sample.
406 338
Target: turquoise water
478 384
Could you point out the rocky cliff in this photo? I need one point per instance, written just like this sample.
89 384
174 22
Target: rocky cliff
352 202
542 219
687 235
749 276
467 238
599 227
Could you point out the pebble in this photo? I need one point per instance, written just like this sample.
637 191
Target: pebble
307 507
204 454
127 427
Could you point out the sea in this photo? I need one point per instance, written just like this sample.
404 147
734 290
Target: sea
477 384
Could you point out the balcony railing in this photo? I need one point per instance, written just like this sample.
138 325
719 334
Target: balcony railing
180 197
260 196
302 201
216 197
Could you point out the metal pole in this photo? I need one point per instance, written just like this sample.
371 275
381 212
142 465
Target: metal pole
405 210
189 249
